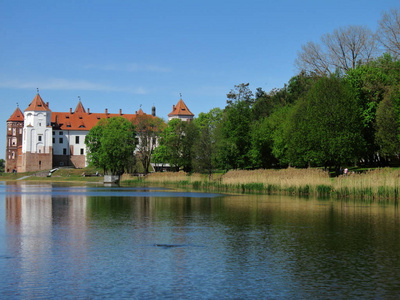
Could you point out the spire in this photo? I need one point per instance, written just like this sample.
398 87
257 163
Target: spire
37 104
16 116
79 108
180 109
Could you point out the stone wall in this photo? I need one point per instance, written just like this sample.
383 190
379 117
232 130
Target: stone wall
32 162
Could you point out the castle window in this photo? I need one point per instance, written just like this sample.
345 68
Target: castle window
64 151
40 124
60 140
54 133
60 133
54 140
82 151
77 140
12 155
14 131
39 138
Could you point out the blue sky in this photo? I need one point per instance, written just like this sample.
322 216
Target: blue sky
124 54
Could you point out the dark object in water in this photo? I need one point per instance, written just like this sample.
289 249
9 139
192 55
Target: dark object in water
166 246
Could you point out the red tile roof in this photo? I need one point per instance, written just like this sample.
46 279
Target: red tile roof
38 104
82 120
180 110
16 116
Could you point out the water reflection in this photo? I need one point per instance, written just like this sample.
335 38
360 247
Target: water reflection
89 242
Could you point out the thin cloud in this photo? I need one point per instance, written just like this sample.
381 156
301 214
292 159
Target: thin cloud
65 84
132 67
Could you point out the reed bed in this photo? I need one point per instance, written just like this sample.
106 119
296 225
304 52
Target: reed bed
376 185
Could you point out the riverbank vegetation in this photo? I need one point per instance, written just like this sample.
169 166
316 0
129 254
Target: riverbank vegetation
374 185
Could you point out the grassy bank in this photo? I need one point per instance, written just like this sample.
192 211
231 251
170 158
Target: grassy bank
376 185
61 175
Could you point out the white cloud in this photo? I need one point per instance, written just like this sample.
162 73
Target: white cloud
66 84
131 67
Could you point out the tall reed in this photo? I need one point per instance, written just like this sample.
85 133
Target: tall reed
376 185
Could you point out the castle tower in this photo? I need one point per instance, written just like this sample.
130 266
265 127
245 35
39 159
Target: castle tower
180 111
15 126
37 143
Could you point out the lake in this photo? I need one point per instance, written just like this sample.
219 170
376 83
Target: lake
89 242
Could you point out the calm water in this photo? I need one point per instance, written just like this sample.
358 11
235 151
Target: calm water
93 242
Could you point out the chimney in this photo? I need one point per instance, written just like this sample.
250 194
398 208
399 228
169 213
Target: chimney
153 111
70 110
106 111
173 107
120 112
88 111
47 103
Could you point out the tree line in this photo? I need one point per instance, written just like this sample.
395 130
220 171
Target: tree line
342 108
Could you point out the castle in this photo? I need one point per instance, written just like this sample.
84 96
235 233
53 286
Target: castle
39 139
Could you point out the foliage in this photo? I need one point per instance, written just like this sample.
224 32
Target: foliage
234 138
111 144
240 93
325 126
205 146
387 123
148 129
176 142
372 83
2 165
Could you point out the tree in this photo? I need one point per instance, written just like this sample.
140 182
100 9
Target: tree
325 126
241 92
372 83
204 147
344 49
261 145
234 138
148 129
176 143
111 145
2 165
389 32
387 123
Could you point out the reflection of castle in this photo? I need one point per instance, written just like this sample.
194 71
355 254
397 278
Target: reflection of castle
39 139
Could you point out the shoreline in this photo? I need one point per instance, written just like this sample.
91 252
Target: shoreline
372 186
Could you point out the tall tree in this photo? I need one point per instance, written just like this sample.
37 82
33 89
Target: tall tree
387 123
240 92
372 83
389 32
111 145
148 129
234 136
325 126
344 49
204 148
176 144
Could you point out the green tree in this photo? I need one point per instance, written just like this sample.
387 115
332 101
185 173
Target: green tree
372 83
234 138
176 143
204 147
261 145
2 165
240 93
387 124
325 126
148 129
111 145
